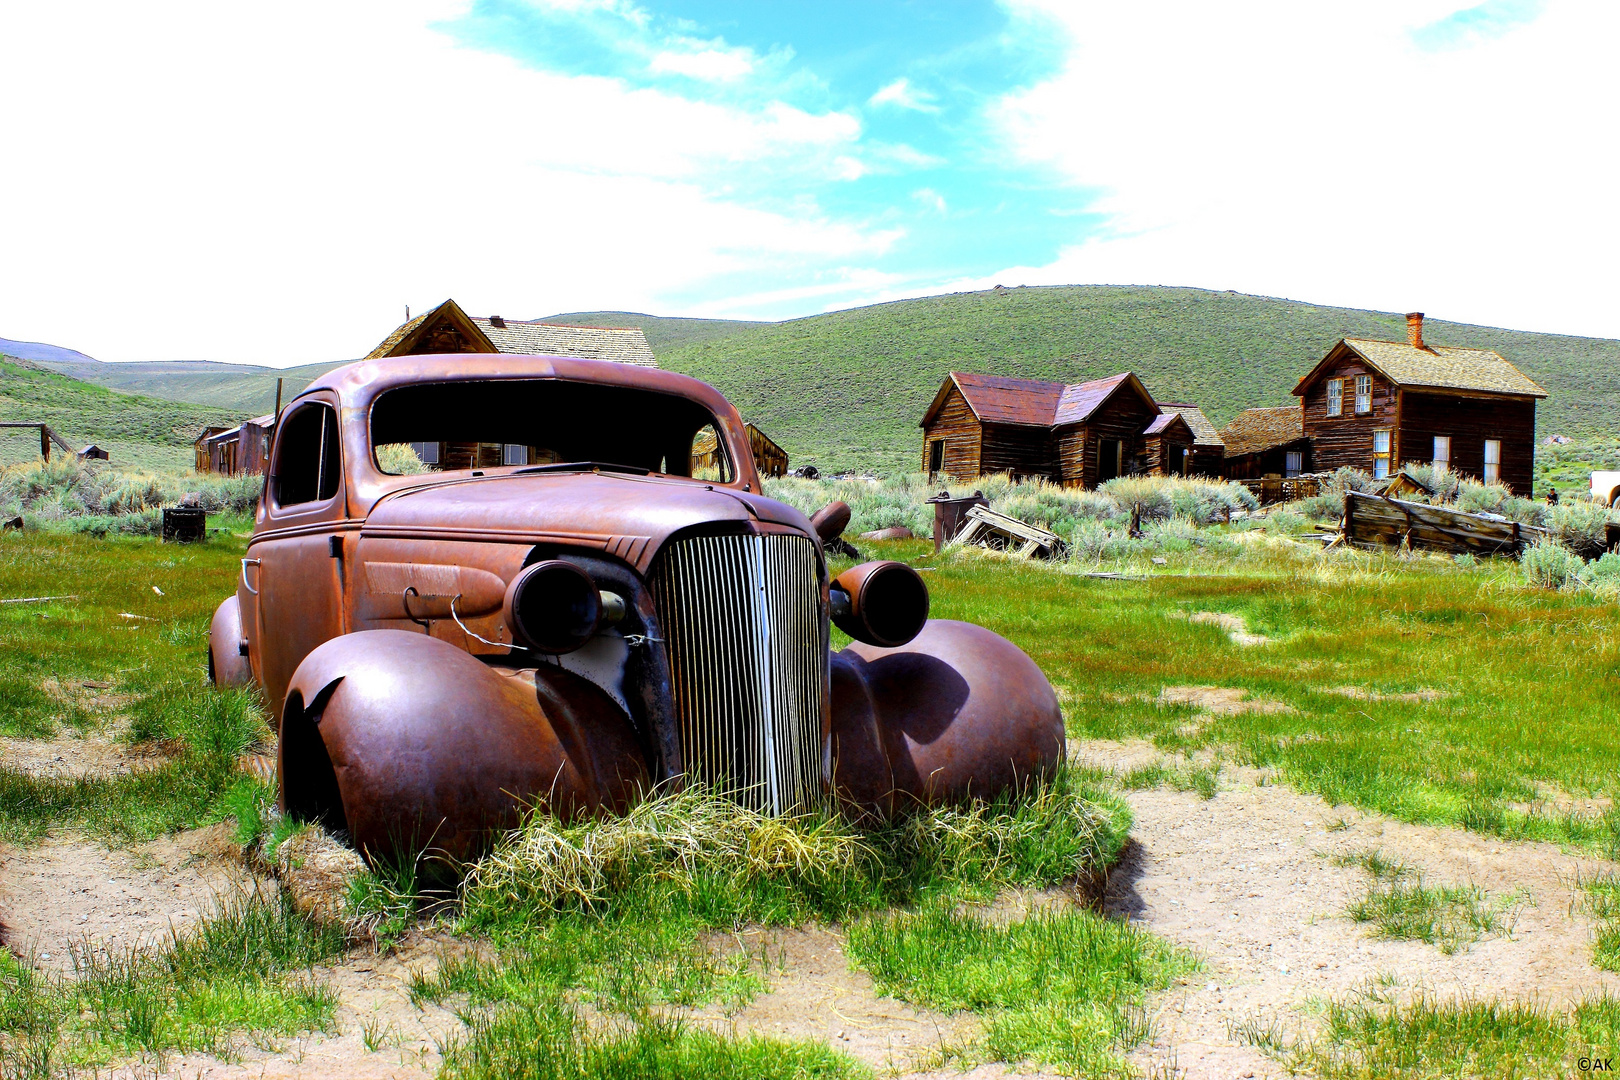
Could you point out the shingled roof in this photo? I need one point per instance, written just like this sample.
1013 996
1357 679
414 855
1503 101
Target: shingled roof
626 345
1204 433
1433 366
1255 430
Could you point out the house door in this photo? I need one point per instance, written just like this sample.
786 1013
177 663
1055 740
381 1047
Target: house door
1108 451
936 456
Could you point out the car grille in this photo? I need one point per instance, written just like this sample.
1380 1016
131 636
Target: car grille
743 627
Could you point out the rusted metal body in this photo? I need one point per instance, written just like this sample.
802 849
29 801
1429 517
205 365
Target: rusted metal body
442 650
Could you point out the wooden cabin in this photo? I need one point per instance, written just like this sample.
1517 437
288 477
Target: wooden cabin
448 329
1266 442
769 458
1208 452
1077 434
1379 405
244 448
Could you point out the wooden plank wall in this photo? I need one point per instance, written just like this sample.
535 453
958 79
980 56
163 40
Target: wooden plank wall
1208 461
1469 421
1022 451
1347 439
956 424
1155 451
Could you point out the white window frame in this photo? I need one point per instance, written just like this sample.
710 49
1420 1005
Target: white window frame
1293 463
1442 453
1363 394
1335 397
1382 440
514 454
1493 461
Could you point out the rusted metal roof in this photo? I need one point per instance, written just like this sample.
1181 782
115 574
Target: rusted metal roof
1164 421
1254 430
1000 399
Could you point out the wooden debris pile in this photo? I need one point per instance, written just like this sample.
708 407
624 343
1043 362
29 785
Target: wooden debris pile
1375 520
986 528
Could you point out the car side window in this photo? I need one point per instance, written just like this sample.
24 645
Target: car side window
308 459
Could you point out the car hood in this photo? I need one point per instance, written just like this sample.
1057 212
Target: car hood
627 515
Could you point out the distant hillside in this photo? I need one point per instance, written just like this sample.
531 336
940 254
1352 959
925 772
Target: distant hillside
135 430
39 351
848 388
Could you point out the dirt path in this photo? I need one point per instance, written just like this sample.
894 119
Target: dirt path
1247 881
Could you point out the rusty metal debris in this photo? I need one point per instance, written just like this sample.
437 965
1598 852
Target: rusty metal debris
987 528
443 650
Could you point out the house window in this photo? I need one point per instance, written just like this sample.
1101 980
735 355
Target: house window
426 452
514 454
1295 463
1363 393
1335 397
1493 461
936 456
1442 453
1381 453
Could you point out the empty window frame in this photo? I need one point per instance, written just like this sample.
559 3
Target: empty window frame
1294 464
1493 461
1335 399
936 456
1442 453
308 460
1363 393
1380 461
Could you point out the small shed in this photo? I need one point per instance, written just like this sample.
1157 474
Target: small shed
244 448
1267 442
1167 446
205 462
1208 452
94 453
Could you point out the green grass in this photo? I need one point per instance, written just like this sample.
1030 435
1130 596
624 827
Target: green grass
1527 678
154 671
1402 907
141 431
1375 1036
243 975
1603 899
1064 988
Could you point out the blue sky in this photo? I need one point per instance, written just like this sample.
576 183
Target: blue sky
292 176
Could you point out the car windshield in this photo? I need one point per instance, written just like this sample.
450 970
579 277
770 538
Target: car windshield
450 426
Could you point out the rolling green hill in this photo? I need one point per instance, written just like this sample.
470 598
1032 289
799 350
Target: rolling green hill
846 389
135 430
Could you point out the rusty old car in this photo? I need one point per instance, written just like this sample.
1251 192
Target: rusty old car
482 583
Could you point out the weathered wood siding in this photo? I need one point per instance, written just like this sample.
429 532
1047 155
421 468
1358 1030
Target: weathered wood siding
1073 455
1121 417
1208 461
1469 421
963 436
1275 461
1022 451
1347 439
1158 456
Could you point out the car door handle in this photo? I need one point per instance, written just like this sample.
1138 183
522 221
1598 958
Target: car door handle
245 564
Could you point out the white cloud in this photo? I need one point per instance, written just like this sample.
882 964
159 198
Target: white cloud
708 64
214 181
930 198
902 94
1318 152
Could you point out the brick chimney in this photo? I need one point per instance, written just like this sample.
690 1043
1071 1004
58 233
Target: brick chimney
1414 328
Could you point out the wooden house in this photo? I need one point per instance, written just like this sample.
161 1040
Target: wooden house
1208 452
769 458
1378 405
448 329
244 448
1266 442
1077 434
204 459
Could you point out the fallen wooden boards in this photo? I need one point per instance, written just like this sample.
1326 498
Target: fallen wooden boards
1371 520
985 527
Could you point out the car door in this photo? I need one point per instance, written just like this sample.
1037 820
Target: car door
295 554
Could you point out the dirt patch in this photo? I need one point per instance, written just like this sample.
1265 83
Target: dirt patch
91 695
1247 881
1236 629
1220 700
70 892
316 871
74 757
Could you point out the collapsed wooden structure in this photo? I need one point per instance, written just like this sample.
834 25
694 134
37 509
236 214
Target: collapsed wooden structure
1382 521
987 528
